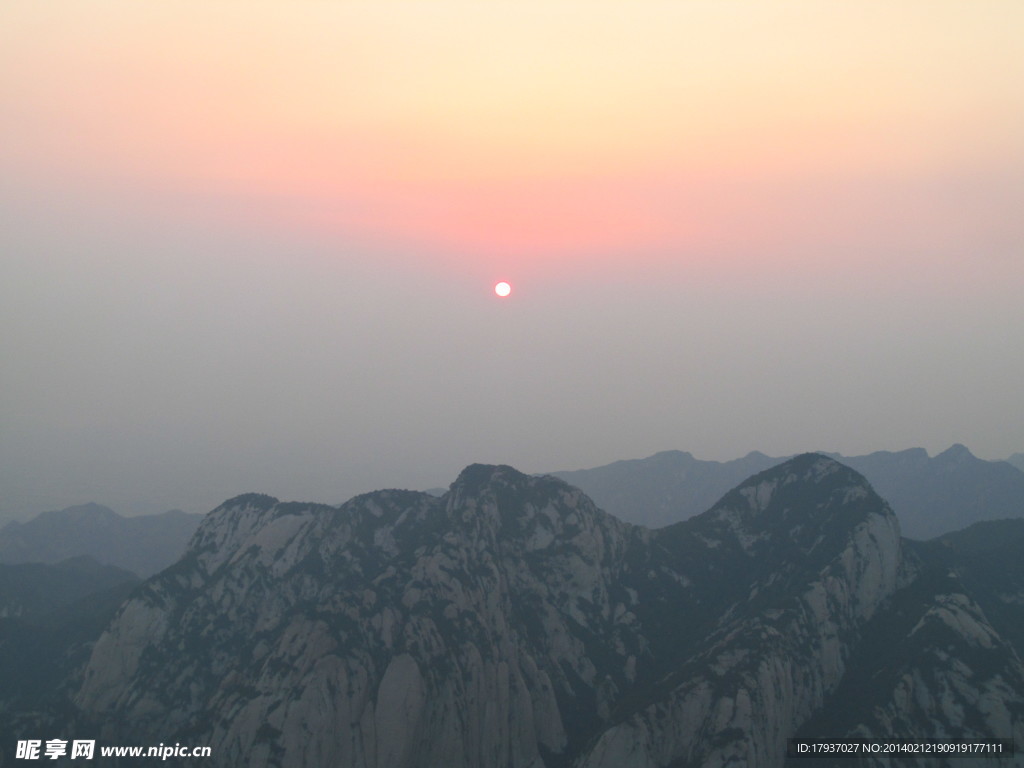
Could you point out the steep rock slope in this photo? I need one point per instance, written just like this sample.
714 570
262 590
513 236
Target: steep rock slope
798 558
931 667
397 630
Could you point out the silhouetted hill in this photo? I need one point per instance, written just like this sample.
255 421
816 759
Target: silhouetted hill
930 496
664 488
933 496
143 545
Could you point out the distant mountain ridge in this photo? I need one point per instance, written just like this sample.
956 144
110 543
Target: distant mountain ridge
512 622
947 492
930 495
664 488
142 545
1017 460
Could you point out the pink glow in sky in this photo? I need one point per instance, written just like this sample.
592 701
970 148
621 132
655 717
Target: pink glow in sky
252 244
550 131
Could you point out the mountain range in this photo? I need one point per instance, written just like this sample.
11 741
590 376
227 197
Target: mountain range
143 545
511 622
930 495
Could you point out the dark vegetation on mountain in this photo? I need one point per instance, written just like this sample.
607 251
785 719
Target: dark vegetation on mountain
50 615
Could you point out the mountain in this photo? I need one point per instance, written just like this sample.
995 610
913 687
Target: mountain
513 623
1017 460
143 545
931 496
664 488
963 610
948 492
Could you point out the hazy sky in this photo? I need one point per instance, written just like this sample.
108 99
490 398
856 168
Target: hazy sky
250 246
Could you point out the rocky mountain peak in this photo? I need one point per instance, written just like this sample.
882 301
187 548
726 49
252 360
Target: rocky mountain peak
249 501
519 512
477 477
227 527
812 468
90 510
956 453
796 506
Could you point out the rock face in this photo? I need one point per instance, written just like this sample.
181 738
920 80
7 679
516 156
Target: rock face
804 556
512 623
931 665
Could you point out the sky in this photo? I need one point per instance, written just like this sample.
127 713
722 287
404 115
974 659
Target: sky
251 246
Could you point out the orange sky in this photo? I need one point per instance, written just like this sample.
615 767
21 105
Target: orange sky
528 129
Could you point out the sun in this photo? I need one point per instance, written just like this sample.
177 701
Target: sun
503 289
